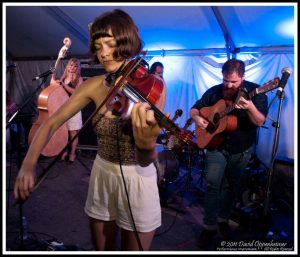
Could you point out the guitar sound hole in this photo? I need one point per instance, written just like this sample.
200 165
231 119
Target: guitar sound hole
216 118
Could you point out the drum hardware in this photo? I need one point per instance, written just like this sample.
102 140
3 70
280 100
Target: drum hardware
176 170
252 183
187 177
168 167
192 159
185 182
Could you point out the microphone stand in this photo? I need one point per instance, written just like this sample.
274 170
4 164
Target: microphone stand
276 124
13 117
26 102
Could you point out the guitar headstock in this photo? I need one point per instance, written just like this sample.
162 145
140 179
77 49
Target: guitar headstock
188 123
178 113
268 86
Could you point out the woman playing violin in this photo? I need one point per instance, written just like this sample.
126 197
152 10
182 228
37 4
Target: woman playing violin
123 192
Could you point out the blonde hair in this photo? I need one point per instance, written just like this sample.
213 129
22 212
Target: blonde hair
75 79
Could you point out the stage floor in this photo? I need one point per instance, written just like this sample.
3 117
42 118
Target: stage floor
54 212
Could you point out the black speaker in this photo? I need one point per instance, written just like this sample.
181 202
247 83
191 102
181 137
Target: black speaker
88 71
87 138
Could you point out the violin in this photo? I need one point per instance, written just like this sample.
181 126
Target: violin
135 84
138 85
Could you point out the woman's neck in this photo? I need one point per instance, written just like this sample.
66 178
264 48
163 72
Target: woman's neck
111 77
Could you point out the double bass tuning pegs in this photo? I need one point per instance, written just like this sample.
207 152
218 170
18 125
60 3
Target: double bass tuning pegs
63 51
67 42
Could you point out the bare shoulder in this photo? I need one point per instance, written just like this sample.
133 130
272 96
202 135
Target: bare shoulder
93 84
95 88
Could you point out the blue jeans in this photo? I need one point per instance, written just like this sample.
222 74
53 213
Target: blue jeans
223 171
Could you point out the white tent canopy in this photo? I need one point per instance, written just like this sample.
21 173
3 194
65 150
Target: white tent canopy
38 30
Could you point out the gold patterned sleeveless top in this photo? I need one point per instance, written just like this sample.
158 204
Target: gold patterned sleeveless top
115 137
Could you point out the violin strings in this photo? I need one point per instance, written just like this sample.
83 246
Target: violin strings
163 120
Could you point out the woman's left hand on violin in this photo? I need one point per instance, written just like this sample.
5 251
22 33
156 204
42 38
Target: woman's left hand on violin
145 126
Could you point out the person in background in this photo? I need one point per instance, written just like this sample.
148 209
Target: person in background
123 192
225 163
157 68
18 126
71 80
12 130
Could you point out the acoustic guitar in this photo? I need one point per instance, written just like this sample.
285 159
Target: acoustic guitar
219 120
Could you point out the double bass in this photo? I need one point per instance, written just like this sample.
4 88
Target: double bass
135 84
49 101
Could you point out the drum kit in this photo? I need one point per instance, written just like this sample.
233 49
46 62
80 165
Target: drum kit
172 155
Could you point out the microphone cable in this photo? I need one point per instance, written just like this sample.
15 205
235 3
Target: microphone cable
126 191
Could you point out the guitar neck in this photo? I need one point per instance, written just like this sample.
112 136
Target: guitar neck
175 118
188 123
266 87
227 110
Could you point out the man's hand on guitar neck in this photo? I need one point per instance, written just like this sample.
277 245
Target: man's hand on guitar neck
245 104
254 114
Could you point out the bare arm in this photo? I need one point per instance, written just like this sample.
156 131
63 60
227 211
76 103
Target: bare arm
254 114
25 180
71 90
199 121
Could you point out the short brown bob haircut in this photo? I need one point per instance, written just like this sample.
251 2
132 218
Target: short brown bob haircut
123 29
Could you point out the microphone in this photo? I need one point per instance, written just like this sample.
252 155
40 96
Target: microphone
286 72
45 74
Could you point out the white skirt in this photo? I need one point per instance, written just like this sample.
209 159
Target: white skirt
107 199
75 123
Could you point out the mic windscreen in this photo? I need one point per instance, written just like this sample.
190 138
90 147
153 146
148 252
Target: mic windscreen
287 69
